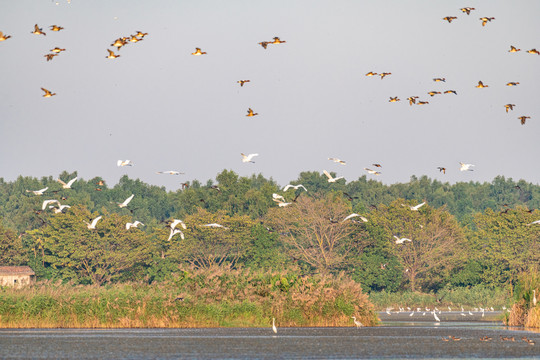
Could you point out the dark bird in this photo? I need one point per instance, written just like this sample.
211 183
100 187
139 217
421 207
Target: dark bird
509 107
242 82
486 19
442 169
422 103
264 44
467 10
513 49
4 37
277 41
377 165
512 84
449 18
451 92
433 93
394 99
198 52
439 79
382 75
56 28
37 30
49 57
523 119
412 100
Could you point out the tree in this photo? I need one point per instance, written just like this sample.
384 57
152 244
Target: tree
11 248
505 244
314 231
106 254
207 246
436 240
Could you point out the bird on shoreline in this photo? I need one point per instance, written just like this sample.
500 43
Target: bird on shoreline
274 328
356 322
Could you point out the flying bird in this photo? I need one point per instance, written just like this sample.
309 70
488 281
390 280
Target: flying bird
371 73
277 41
251 113
57 50
533 51
513 49
481 85
442 169
412 100
242 82
264 44
198 52
449 18
394 99
48 93
382 75
50 56
355 215
509 107
523 119
512 83
59 209
175 222
433 93
133 224
281 203
56 28
124 163
277 197
451 92
247 158
170 172
486 19
38 192
331 179
373 172
92 225
47 202
126 202
465 167
377 165
439 79
296 187
339 161
68 184
415 208
4 37
214 225
402 240
422 103
467 10
111 55
37 30
174 232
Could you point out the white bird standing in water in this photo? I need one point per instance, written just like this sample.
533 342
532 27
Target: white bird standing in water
356 322
274 328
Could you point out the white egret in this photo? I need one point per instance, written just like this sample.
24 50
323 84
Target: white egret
124 163
274 328
354 215
278 198
356 322
402 240
415 208
214 225
69 183
38 192
92 225
373 172
247 158
176 222
534 297
465 167
174 232
339 161
296 187
436 317
47 202
126 202
59 209
134 224
170 172
331 179
534 222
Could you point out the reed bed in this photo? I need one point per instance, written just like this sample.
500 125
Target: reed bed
526 309
195 298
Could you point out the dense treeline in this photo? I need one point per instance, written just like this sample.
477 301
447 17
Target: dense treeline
466 234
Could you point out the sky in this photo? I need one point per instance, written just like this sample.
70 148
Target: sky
165 109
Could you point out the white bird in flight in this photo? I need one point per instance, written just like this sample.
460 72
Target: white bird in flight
214 225
47 202
402 240
330 178
176 222
373 172
277 197
282 203
38 192
354 215
69 183
92 225
59 209
465 167
174 232
124 163
296 187
171 172
415 208
534 222
247 158
133 224
126 202
339 161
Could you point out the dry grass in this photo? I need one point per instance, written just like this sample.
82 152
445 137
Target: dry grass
196 298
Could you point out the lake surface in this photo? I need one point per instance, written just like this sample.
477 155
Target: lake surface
391 340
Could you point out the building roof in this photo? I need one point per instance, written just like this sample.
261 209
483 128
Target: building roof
16 270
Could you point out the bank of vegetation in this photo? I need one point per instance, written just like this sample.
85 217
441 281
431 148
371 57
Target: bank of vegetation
468 242
526 308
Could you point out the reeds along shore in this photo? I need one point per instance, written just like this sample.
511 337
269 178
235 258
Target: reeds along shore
526 309
195 298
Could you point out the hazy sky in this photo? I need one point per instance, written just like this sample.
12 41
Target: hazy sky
165 109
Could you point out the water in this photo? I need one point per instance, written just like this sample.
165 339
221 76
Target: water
392 340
